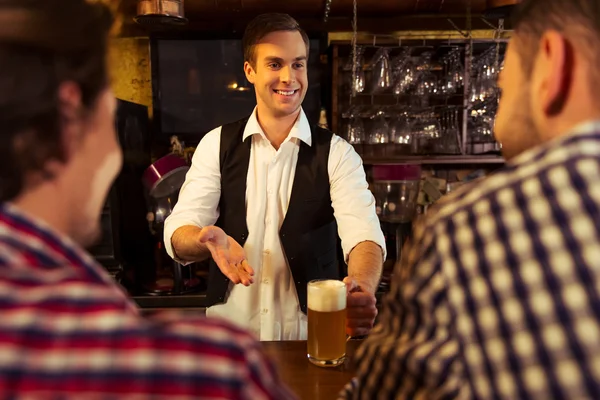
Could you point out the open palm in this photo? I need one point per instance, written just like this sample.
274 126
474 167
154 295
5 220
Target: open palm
229 256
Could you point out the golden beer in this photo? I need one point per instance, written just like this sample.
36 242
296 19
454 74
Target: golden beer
326 322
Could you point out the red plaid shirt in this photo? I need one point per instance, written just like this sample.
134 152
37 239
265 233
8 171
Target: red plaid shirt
67 330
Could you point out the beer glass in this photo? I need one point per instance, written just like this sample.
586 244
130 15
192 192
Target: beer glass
326 322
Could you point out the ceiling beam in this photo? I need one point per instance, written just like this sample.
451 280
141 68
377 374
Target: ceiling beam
382 25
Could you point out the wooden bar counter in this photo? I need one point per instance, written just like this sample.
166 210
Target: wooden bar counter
306 380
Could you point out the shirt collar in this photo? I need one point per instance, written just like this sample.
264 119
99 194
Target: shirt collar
301 129
591 126
41 236
581 130
34 236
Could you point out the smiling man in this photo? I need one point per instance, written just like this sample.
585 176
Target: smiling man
277 202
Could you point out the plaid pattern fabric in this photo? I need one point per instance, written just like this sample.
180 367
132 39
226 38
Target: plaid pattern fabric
498 296
68 331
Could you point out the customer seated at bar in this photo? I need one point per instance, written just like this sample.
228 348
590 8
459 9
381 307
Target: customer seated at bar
66 329
499 293
275 202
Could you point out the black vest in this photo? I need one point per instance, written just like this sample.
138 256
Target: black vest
309 231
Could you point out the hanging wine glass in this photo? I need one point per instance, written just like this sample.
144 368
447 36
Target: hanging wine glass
401 130
356 130
381 78
450 140
406 76
432 128
454 76
457 71
400 62
380 131
427 83
359 79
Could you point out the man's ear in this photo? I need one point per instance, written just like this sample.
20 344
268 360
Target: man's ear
250 73
553 71
71 124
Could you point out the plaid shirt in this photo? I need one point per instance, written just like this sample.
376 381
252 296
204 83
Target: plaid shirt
498 297
68 331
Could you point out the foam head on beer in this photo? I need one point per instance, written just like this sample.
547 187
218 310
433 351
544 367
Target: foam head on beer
327 296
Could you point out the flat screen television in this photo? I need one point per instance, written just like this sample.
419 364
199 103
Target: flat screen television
199 84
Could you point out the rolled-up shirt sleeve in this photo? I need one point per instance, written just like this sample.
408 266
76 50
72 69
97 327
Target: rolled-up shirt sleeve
352 201
198 202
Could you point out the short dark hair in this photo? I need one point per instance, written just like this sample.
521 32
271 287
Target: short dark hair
264 24
576 19
44 43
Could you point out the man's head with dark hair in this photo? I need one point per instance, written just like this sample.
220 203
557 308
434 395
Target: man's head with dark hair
58 149
551 72
275 56
264 24
577 20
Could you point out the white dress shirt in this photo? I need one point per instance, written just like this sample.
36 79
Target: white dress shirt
269 307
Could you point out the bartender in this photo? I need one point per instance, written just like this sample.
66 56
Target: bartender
276 202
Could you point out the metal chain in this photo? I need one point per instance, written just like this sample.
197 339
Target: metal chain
327 10
354 45
469 19
456 28
498 34
441 6
469 69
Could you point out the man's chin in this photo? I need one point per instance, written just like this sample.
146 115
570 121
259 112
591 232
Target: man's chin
283 110
521 137
88 238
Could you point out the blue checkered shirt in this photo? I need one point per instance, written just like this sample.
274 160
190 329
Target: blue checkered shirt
498 295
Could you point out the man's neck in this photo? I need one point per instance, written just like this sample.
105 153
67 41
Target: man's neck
581 106
43 204
566 125
276 129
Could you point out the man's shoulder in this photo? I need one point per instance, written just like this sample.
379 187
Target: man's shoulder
234 128
528 178
340 146
213 135
93 314
66 293
209 143
203 348
195 355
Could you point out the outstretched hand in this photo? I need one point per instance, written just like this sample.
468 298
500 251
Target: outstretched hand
227 254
